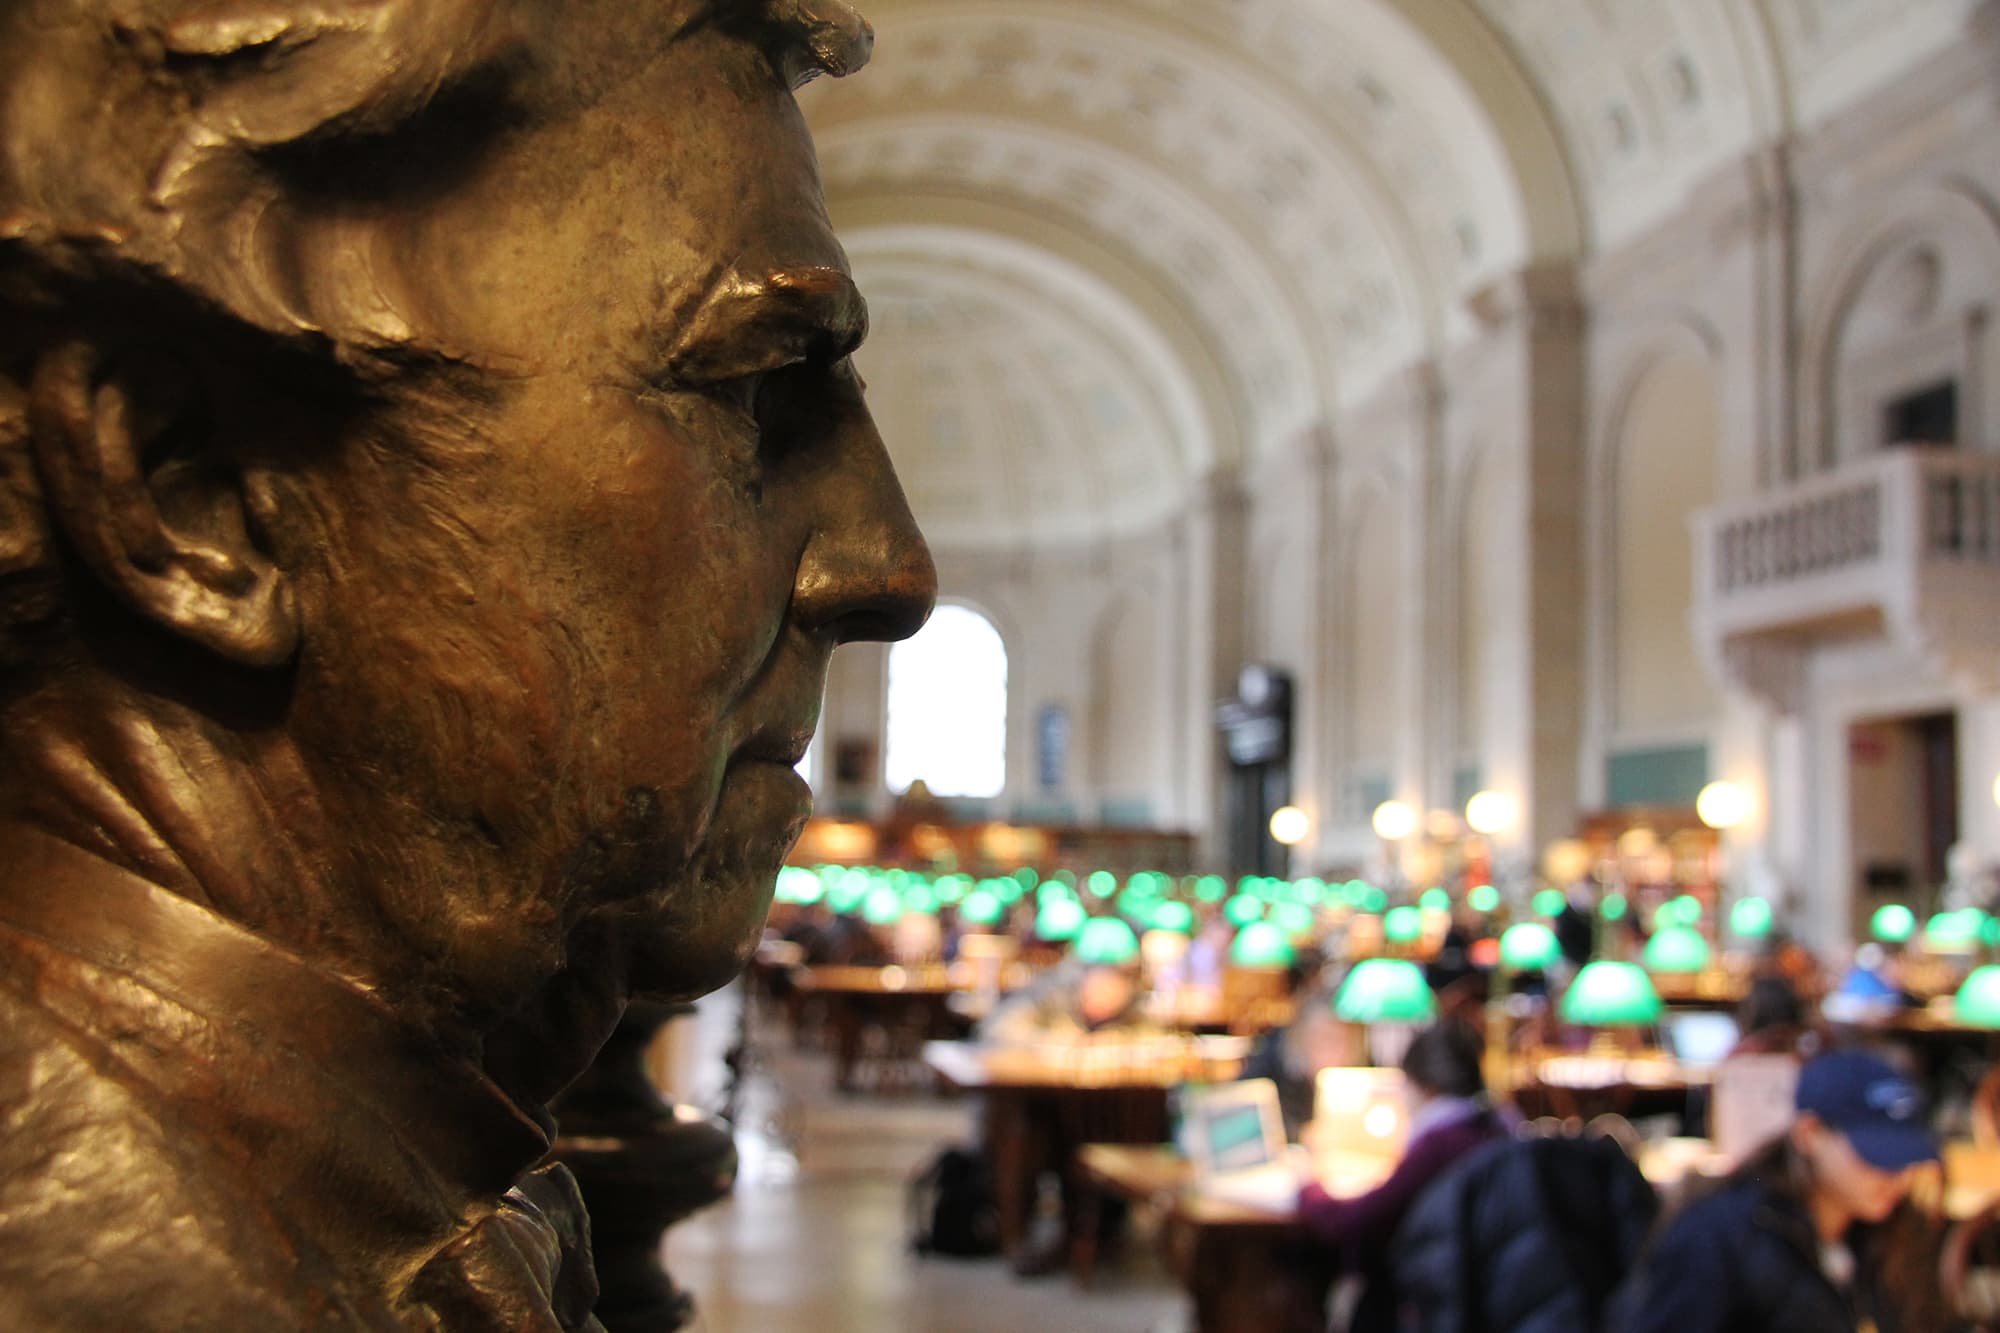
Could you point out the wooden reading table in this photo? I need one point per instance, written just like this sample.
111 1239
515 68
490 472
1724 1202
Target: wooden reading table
899 1001
1045 1101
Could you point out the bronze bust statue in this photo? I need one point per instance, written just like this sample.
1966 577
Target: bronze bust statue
432 480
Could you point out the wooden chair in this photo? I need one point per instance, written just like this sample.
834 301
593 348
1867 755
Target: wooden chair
1971 1268
1986 1110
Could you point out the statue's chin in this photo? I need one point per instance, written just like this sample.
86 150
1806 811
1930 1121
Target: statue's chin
683 964
691 931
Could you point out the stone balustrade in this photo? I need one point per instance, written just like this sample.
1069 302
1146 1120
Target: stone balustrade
1905 544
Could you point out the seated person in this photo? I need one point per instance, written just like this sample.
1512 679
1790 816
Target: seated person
1450 1118
847 941
1787 1241
1291 1056
1772 1020
1071 999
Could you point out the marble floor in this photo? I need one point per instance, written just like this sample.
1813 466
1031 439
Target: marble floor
815 1238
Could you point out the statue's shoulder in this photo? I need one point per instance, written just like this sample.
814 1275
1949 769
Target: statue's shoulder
113 1215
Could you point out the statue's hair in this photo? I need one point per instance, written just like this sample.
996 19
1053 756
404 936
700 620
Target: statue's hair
227 159
164 136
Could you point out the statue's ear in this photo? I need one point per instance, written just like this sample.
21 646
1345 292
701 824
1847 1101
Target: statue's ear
166 525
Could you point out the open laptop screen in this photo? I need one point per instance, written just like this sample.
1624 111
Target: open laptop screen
1236 1127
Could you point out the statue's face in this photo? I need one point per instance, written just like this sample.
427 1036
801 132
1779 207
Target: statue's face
583 659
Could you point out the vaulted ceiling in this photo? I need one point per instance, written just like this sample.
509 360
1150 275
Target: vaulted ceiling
1114 246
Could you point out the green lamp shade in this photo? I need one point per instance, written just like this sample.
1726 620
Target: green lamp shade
1211 888
1261 944
1614 907
1893 924
1978 1001
981 907
1026 877
1750 919
1435 900
1295 919
1311 892
1059 919
1676 949
883 906
1682 911
845 894
798 886
1609 994
1403 924
1529 947
921 899
1955 930
1102 883
1106 939
1385 990
1549 902
1484 898
1242 910
1372 899
1174 916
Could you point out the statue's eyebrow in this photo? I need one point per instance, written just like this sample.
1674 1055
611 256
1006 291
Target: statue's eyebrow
745 326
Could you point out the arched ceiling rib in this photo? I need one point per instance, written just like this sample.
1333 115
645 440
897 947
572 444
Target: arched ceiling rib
1149 216
1832 52
987 357
1354 158
1311 189
1652 96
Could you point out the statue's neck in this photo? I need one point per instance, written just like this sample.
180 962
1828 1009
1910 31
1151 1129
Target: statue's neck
223 819
233 821
379 1140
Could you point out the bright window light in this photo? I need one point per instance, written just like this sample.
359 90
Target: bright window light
948 707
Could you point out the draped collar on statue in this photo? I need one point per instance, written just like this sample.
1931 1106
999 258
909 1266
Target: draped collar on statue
372 1144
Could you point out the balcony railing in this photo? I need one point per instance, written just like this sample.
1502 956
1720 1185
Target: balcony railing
1905 544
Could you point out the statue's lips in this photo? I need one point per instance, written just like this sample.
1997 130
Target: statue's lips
778 743
771 800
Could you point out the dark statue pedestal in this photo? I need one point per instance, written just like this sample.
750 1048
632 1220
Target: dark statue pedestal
643 1165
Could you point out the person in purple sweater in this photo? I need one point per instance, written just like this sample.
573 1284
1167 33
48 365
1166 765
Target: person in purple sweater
1450 1119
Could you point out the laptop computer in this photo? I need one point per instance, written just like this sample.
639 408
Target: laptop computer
1235 1137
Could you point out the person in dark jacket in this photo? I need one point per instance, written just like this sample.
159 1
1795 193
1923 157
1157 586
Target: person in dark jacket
1450 1120
1781 1244
1531 1236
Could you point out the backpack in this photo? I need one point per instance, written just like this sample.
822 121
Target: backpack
952 1206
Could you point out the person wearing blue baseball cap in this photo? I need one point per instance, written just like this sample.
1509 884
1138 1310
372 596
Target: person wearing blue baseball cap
1784 1242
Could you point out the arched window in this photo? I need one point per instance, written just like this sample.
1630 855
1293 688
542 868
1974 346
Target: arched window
948 707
